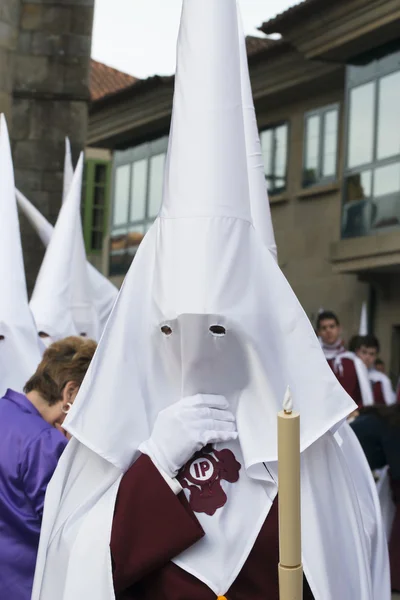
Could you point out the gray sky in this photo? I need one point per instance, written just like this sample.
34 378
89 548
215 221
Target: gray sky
139 36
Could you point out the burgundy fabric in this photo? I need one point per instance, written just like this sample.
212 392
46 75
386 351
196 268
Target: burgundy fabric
347 376
394 544
152 525
377 389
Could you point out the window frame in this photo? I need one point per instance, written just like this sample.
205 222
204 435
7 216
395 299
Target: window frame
321 112
88 210
360 73
274 126
128 157
143 151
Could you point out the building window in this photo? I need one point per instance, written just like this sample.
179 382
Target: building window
137 194
372 178
274 145
320 146
95 206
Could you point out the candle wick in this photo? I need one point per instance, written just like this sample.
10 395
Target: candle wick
288 402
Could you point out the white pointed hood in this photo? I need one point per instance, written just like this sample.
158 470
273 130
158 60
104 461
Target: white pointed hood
41 225
363 330
201 264
104 292
68 170
62 301
19 350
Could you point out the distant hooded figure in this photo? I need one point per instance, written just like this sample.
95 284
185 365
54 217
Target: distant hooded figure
104 292
173 494
20 348
63 298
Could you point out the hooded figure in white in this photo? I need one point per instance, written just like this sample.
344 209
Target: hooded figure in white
20 349
206 329
104 292
62 301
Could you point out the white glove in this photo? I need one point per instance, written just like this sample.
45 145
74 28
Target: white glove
185 428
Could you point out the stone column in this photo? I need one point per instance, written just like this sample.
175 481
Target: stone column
50 101
9 22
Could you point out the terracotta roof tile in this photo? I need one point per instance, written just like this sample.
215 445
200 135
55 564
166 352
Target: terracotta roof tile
105 80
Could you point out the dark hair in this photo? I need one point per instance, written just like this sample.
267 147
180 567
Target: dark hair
63 361
370 341
325 316
379 362
355 343
389 414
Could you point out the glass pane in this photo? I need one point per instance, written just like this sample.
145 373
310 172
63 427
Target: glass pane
118 256
357 209
100 174
386 202
121 195
139 190
281 150
311 161
99 196
330 143
98 218
266 146
97 240
361 125
389 116
157 164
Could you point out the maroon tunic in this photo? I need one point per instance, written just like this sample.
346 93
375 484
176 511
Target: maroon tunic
347 377
377 389
151 526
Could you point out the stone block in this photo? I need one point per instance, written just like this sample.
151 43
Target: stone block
31 17
53 182
6 70
55 199
24 42
38 154
48 44
21 118
6 104
10 12
78 45
82 21
78 122
28 181
57 19
41 200
8 36
30 72
76 79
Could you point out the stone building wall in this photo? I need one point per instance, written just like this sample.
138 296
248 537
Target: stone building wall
47 68
9 23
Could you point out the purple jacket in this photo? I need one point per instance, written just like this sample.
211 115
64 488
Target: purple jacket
29 451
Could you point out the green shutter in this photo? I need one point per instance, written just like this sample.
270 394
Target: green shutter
89 195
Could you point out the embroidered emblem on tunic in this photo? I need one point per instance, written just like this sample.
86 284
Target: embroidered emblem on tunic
202 476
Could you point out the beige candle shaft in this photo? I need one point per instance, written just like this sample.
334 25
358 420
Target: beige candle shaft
289 489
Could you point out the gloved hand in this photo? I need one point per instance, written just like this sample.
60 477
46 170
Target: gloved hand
186 427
